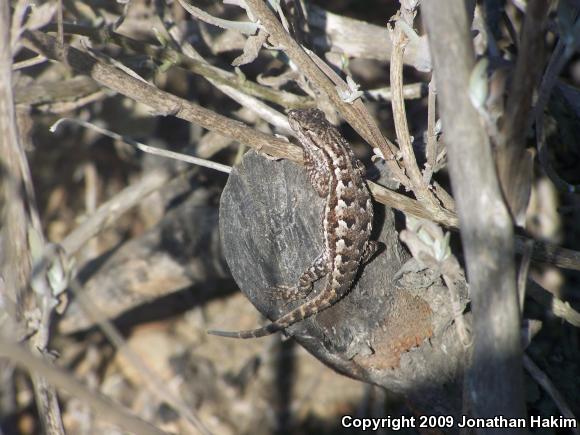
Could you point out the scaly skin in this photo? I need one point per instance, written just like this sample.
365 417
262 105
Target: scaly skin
336 175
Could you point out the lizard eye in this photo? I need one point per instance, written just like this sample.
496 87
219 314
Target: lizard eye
294 124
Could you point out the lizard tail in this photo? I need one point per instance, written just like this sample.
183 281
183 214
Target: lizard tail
250 333
319 303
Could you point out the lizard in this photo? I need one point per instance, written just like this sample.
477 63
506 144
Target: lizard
336 175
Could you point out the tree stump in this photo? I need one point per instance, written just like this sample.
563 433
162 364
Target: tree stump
393 329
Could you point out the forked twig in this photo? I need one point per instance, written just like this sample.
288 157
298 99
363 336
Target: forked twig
308 67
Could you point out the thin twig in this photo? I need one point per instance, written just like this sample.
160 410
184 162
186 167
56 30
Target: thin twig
60 32
165 103
36 60
146 148
523 272
557 307
168 56
400 118
58 107
410 92
409 205
419 186
541 378
242 97
247 27
21 8
444 196
431 145
110 211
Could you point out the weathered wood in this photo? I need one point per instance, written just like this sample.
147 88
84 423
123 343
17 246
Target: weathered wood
383 333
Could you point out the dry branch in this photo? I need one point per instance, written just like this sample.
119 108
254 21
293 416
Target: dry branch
166 55
20 224
352 113
320 77
419 186
164 102
496 382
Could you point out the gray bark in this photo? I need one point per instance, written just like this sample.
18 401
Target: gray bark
393 330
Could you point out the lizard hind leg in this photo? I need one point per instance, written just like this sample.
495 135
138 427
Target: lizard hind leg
369 250
316 271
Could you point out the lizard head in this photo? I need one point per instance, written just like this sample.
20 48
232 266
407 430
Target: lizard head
308 124
306 119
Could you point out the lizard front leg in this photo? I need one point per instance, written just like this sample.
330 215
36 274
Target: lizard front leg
317 170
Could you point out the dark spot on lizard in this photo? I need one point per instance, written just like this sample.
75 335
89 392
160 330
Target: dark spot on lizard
350 221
